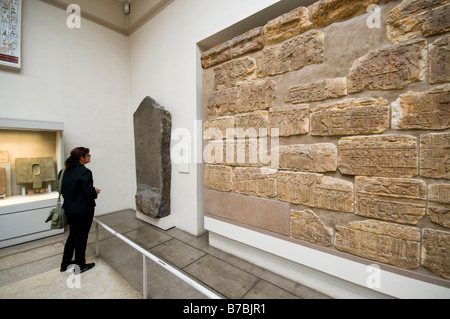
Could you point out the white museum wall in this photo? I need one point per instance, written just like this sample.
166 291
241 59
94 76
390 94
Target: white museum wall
164 62
78 77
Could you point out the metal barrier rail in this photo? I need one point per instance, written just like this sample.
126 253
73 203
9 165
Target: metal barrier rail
145 255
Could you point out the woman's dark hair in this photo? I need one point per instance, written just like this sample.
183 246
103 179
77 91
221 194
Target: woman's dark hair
75 155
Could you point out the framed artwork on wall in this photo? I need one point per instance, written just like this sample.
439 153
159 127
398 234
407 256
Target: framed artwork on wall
10 33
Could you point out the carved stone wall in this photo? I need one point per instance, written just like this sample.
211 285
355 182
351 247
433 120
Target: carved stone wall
330 125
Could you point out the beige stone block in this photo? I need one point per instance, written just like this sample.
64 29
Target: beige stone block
234 73
4 156
389 68
256 96
290 120
218 177
250 124
385 155
391 199
415 18
260 182
351 117
435 155
265 214
317 91
307 226
291 55
288 25
2 180
423 110
250 41
252 152
388 243
223 102
439 60
315 190
326 12
219 54
317 158
439 204
217 128
436 252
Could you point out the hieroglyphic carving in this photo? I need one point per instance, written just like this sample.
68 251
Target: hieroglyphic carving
217 128
439 204
307 226
389 68
290 120
352 116
317 91
256 96
435 155
317 158
315 190
392 199
385 155
218 177
435 252
223 102
291 55
287 25
439 60
233 73
424 111
389 243
249 124
414 18
260 182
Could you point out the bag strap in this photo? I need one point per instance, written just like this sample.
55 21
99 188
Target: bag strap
60 184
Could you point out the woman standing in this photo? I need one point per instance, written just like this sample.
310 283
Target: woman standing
79 196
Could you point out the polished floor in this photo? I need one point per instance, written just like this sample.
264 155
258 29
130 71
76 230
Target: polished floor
31 270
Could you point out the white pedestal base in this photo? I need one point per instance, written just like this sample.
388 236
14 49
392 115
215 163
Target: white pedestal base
164 223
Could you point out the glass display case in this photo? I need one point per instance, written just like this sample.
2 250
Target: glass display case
31 155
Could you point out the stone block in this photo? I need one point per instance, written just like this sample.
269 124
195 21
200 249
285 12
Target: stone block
307 226
250 152
435 155
423 110
290 120
219 54
415 18
317 158
217 128
35 171
388 243
152 135
326 12
389 68
292 55
234 73
218 177
248 42
262 213
436 252
4 156
2 180
385 155
439 204
261 182
288 25
256 96
391 199
315 190
223 102
317 91
351 117
439 60
249 124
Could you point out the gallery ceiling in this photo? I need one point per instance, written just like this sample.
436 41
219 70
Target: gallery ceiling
110 13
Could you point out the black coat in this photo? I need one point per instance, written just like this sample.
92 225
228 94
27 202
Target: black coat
78 190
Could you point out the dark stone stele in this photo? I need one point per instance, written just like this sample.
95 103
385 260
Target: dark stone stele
152 134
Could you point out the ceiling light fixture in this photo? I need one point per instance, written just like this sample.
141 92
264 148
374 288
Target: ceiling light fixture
126 8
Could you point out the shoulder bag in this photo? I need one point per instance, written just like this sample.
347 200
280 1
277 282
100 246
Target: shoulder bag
57 215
